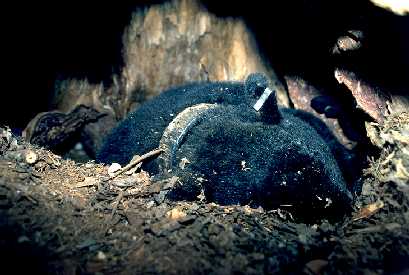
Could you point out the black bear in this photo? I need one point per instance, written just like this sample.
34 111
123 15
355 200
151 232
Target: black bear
231 141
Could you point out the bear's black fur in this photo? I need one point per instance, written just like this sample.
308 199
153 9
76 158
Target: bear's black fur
141 130
239 155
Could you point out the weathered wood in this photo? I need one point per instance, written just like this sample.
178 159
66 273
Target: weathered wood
181 42
54 130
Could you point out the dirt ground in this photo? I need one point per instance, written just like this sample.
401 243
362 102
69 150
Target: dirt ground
62 217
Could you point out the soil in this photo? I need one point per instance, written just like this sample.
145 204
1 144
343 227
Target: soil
62 217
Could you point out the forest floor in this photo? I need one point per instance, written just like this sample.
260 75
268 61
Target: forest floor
62 217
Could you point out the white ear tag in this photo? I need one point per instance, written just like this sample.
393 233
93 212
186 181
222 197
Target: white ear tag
260 102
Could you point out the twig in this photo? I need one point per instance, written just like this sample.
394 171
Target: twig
116 203
136 161
85 184
89 181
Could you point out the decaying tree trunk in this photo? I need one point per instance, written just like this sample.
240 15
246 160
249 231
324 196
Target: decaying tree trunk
168 45
180 42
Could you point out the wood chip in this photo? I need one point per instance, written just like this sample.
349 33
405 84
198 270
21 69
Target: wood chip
31 157
368 210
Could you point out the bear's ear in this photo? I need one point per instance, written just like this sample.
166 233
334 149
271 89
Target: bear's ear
255 84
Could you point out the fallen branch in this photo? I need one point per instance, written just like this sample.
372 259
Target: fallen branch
54 130
135 161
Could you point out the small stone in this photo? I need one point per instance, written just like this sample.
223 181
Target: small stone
31 157
150 204
115 167
101 256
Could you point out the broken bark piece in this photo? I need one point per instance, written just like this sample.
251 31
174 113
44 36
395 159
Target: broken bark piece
302 95
369 98
54 130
